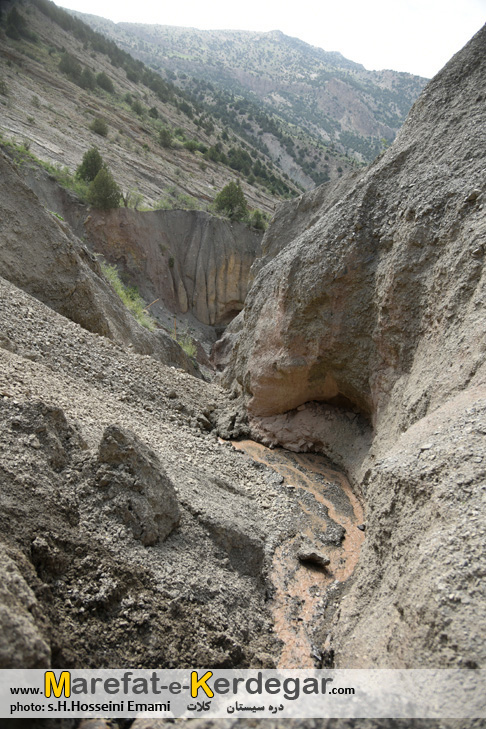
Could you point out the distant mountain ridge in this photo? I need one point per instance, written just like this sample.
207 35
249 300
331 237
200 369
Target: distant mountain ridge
321 95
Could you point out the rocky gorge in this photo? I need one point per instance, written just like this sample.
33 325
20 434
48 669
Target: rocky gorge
361 340
371 349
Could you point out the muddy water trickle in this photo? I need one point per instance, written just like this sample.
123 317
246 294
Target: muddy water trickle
328 521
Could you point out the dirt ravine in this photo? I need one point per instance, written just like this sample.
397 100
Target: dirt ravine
330 514
115 485
136 531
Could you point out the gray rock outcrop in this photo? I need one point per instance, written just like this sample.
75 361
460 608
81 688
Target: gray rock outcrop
137 536
374 309
21 642
138 489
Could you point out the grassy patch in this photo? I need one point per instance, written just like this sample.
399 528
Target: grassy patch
21 154
185 341
129 296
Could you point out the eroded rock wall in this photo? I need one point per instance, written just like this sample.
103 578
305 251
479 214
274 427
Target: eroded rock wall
40 254
375 308
191 261
382 289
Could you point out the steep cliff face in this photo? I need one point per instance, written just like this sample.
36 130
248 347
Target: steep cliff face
369 287
40 254
364 337
189 260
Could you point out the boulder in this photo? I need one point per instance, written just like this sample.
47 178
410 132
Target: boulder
22 644
137 486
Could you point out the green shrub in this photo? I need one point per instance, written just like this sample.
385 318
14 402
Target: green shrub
70 66
87 80
185 341
191 145
186 202
177 201
133 199
105 82
163 204
153 113
186 109
258 220
56 215
165 137
91 164
137 107
132 76
99 126
231 201
129 296
103 192
188 345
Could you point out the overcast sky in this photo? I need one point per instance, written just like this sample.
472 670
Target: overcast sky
418 36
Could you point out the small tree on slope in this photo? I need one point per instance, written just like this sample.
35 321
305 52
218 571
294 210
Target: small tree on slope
104 193
231 201
90 166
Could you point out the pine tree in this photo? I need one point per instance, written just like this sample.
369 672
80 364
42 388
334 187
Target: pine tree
231 201
105 82
165 137
90 166
104 193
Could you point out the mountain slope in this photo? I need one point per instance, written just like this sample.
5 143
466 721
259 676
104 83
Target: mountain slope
316 95
50 95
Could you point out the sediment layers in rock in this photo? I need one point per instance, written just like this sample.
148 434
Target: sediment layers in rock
191 261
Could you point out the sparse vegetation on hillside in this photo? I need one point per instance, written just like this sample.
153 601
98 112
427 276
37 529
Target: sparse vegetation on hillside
91 164
231 201
321 102
104 193
129 296
21 154
171 116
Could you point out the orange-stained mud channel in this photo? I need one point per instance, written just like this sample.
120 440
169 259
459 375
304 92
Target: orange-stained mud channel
328 506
